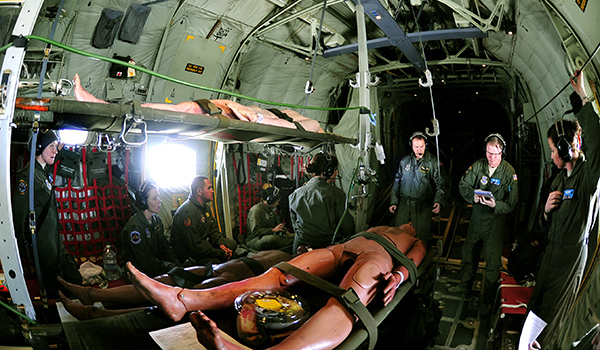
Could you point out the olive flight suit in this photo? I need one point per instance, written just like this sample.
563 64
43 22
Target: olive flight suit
145 245
562 267
51 251
261 219
487 224
195 234
316 209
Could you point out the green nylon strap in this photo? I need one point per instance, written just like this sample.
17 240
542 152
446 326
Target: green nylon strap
187 279
348 298
393 251
208 107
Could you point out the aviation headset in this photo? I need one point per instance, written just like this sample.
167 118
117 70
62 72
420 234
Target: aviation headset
271 194
329 168
140 199
487 139
415 134
563 146
44 139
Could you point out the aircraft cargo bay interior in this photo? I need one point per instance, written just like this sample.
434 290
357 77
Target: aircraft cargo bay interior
293 174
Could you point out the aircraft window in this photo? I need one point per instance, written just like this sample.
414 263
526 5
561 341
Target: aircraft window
171 165
73 137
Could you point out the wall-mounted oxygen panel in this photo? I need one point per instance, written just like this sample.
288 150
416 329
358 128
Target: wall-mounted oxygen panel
196 61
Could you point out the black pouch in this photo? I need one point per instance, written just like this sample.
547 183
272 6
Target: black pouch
68 163
134 22
96 166
107 28
119 71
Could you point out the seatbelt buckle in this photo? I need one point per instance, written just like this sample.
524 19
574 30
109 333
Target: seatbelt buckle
208 107
350 296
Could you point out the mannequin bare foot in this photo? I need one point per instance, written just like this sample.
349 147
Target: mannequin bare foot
81 94
83 293
167 298
80 312
208 334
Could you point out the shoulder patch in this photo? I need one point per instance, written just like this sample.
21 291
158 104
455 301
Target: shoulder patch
22 187
187 222
135 237
515 177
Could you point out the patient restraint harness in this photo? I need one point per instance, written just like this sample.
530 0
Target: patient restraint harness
349 298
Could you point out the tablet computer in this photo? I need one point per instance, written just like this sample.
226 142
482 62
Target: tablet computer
486 194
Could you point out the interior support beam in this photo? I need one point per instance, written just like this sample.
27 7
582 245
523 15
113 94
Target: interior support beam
382 18
444 34
11 69
298 15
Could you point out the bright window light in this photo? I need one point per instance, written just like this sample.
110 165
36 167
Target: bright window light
73 137
171 165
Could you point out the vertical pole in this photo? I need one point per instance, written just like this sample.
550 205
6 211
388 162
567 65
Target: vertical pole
364 78
222 167
11 69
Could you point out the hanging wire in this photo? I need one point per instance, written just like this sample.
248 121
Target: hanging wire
566 85
309 84
436 134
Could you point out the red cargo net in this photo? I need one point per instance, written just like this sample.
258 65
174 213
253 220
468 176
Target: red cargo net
248 194
93 216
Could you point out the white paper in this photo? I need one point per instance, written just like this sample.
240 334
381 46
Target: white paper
183 336
532 328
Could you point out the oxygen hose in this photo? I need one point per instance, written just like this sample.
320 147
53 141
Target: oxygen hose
178 81
10 308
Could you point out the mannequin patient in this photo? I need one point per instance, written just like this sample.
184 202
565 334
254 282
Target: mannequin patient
361 263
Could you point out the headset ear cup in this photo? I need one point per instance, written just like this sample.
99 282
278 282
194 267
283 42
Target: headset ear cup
564 148
565 151
140 200
328 170
272 195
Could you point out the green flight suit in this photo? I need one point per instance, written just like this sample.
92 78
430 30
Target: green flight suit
316 209
195 234
51 250
487 224
417 185
261 219
145 245
562 267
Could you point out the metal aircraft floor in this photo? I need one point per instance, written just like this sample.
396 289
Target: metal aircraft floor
462 327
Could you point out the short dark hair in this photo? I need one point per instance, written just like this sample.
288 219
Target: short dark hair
570 128
197 182
319 162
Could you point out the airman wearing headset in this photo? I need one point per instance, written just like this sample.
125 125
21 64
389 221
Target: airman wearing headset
143 236
265 230
491 186
317 207
54 259
566 213
420 187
